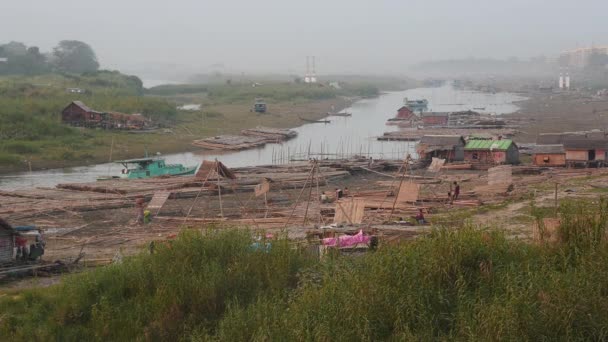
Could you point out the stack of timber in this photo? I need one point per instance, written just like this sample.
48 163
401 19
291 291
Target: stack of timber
16 205
272 134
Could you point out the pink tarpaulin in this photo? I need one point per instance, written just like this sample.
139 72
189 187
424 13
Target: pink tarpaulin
347 240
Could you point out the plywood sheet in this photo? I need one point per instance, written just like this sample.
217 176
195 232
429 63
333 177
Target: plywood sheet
408 192
500 175
349 210
436 165
262 188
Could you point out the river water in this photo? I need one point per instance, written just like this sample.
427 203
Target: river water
343 136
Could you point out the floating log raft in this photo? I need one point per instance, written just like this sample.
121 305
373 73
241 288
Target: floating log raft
230 142
272 134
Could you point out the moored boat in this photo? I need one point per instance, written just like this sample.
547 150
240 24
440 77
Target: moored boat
151 167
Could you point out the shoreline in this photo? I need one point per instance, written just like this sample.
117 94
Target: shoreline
177 145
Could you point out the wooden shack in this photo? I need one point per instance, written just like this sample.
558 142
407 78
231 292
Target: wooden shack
7 242
79 114
491 152
404 113
448 147
435 118
549 155
581 148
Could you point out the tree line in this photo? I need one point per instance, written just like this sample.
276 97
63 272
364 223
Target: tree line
69 56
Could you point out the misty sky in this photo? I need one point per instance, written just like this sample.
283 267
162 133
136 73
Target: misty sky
275 35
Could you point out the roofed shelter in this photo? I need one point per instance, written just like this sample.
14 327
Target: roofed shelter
549 155
79 114
7 242
492 152
581 148
448 147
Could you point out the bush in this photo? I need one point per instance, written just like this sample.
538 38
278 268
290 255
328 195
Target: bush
21 147
463 284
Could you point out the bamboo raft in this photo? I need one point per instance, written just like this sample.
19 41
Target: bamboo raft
273 134
230 142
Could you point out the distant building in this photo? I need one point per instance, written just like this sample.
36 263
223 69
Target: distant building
549 155
448 147
581 148
491 152
579 58
405 113
7 242
80 115
435 118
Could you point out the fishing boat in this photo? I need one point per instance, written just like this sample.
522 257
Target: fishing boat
340 114
151 167
314 121
416 105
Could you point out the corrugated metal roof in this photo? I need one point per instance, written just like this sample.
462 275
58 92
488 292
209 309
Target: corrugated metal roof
442 140
502 145
548 149
434 114
83 106
575 140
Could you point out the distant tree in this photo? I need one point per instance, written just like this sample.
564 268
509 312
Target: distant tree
21 60
75 56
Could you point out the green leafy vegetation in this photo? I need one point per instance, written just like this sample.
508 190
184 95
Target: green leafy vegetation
69 56
30 112
455 284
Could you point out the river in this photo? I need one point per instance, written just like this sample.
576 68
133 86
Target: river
344 135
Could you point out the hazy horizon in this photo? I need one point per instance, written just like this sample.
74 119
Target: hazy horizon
275 36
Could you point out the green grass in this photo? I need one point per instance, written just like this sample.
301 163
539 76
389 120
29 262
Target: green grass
455 284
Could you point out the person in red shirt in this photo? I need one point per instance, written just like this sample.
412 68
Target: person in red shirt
456 190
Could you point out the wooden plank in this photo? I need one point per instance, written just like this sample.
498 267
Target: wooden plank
408 192
158 200
262 188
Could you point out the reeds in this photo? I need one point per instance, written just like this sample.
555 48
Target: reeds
455 284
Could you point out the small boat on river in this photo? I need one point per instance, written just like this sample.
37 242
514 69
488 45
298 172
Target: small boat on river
151 167
416 105
314 121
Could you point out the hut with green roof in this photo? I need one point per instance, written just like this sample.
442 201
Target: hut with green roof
492 152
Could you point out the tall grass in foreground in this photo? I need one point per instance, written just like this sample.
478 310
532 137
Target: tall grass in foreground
464 284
